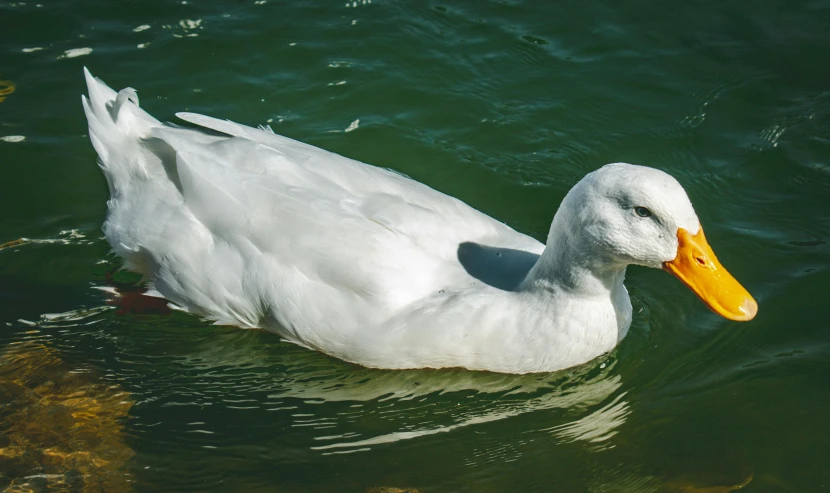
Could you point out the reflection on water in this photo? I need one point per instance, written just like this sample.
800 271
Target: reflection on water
60 428
634 482
576 391
598 427
332 400
410 404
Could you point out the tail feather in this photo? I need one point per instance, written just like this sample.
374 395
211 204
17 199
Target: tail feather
118 130
99 93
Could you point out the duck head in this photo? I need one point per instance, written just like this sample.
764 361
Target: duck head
625 214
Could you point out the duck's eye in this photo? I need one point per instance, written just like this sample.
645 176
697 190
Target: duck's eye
642 211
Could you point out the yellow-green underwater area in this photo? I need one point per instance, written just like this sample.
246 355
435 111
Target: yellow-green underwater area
6 87
60 426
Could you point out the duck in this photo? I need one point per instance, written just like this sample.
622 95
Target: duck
248 228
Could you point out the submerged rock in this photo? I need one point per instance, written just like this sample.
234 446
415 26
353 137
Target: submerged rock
61 428
6 87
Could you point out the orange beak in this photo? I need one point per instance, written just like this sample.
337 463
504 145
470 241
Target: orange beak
699 269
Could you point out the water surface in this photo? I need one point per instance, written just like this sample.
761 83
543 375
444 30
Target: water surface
504 104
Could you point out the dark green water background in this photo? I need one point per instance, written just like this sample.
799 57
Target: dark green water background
504 104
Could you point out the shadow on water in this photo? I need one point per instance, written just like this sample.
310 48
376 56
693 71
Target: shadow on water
502 268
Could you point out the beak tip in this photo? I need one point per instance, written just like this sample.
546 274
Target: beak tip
744 313
749 309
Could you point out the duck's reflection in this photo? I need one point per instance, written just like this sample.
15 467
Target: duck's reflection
598 427
636 482
413 404
344 408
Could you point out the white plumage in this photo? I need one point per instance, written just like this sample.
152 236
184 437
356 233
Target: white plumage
253 229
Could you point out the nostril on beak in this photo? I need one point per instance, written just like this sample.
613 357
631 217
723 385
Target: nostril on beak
700 261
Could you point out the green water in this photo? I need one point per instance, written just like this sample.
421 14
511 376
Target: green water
505 105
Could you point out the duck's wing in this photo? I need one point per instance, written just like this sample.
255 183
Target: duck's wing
350 175
327 229
288 172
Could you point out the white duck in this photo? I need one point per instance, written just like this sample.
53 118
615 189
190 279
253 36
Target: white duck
253 229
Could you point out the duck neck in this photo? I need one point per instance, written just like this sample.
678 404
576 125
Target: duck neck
570 265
